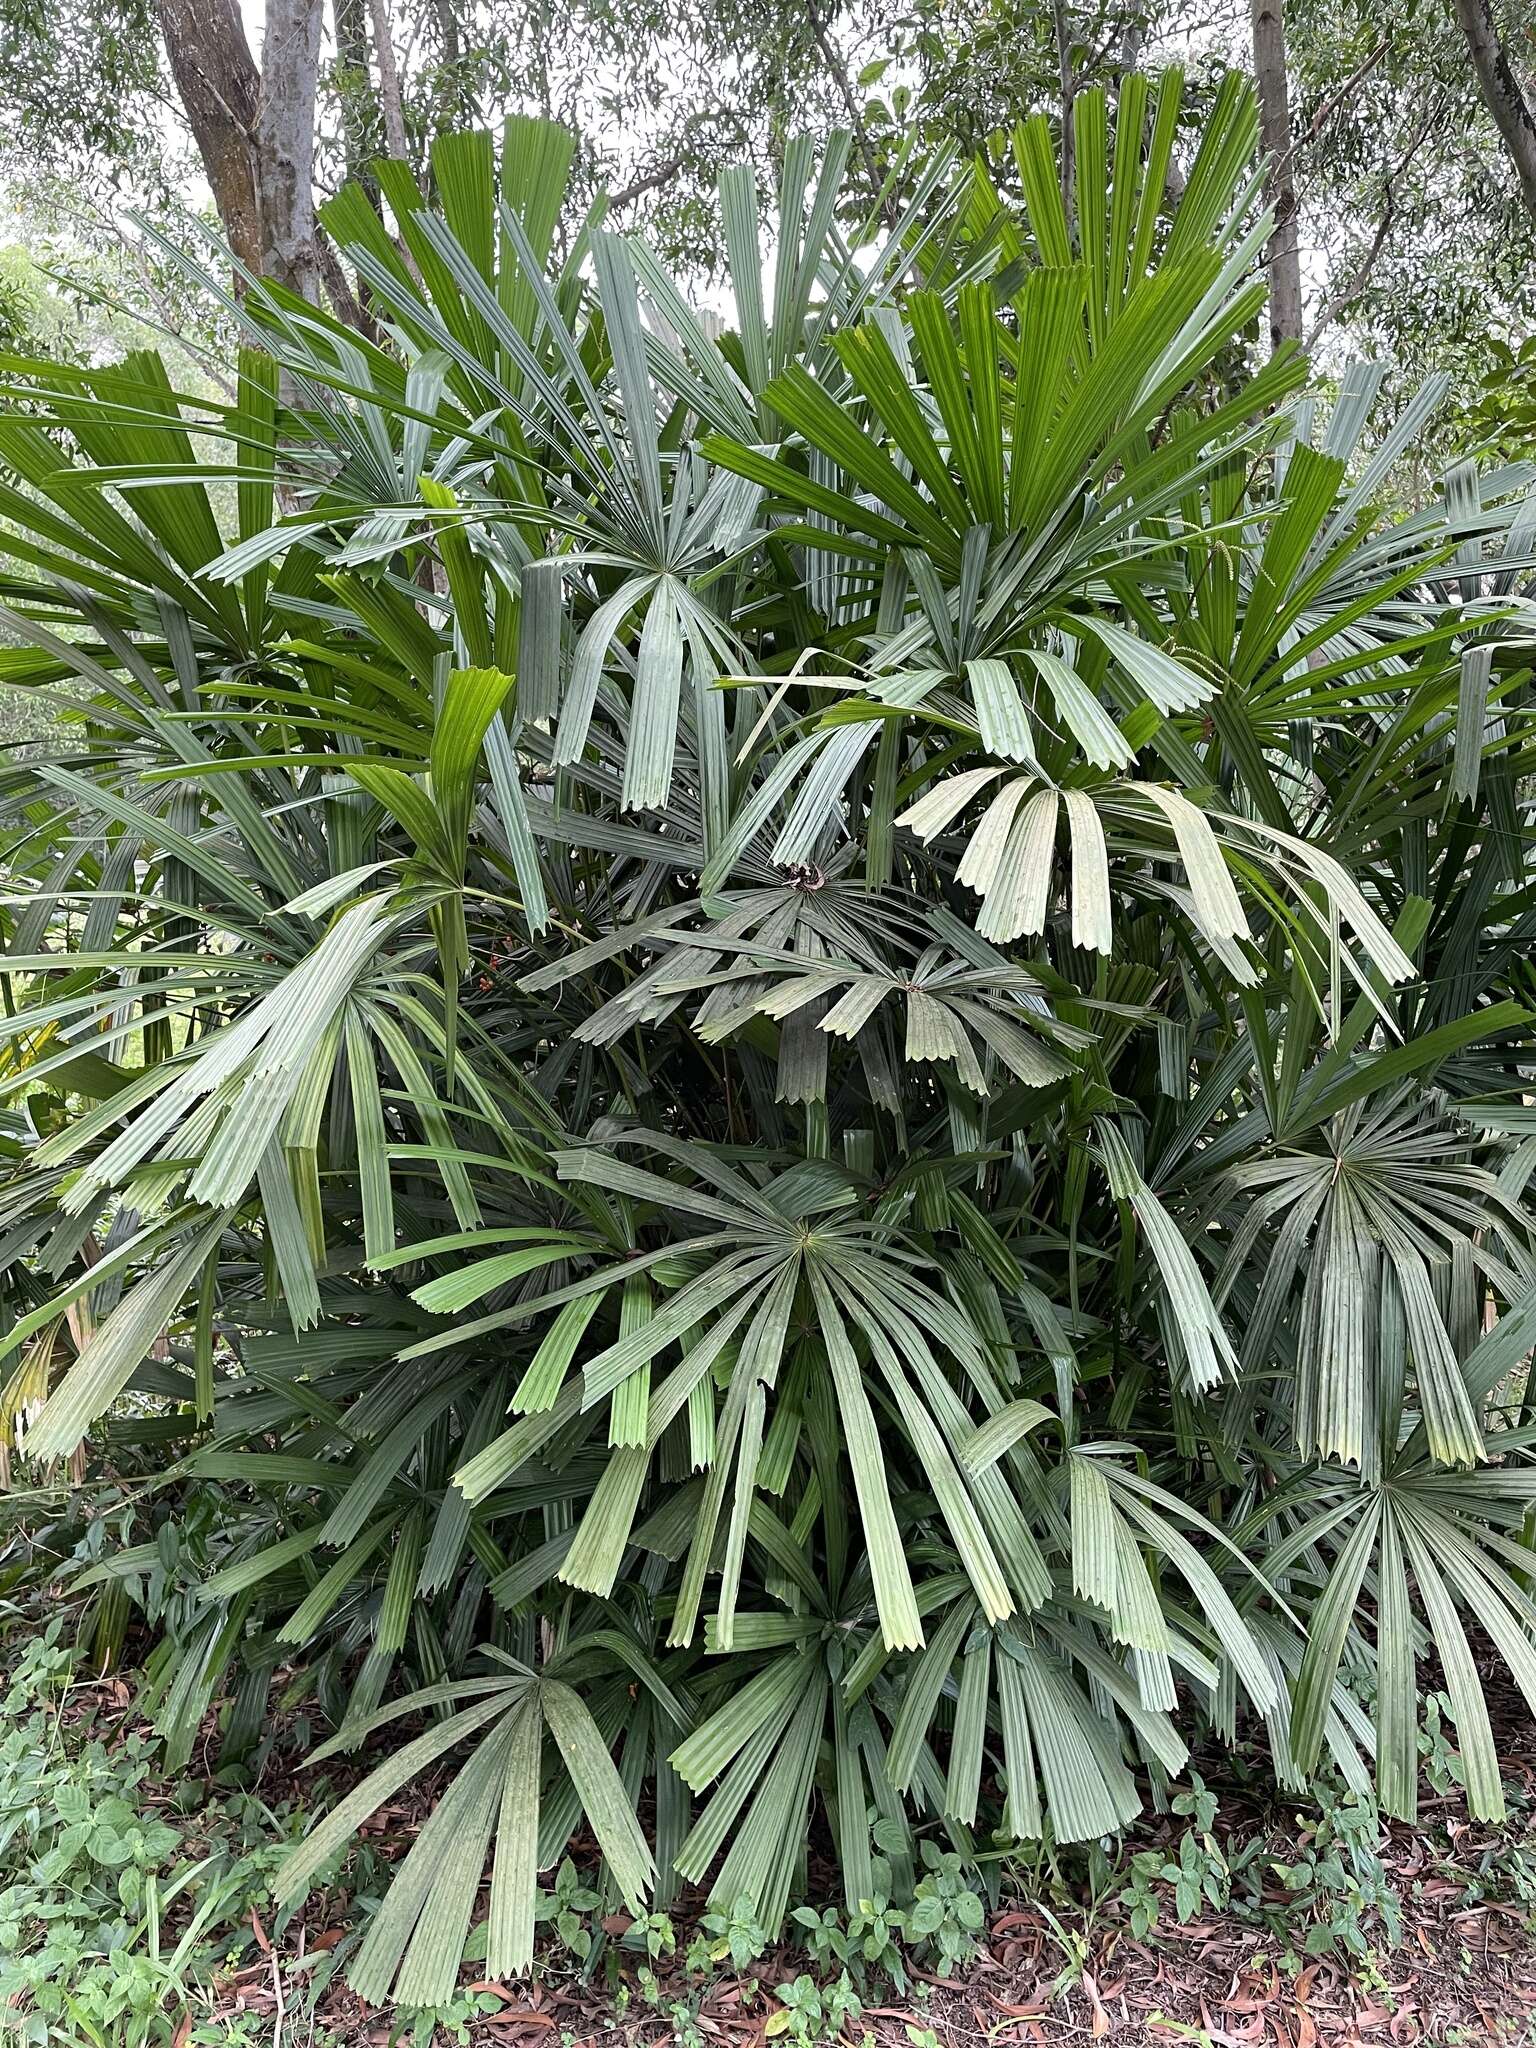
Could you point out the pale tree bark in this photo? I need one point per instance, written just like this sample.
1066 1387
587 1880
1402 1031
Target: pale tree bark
1132 42
1501 92
254 128
1284 253
285 143
390 98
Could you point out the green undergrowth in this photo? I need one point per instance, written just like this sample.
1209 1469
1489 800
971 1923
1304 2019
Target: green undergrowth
135 1907
127 1900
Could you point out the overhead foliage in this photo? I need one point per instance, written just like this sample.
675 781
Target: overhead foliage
795 1050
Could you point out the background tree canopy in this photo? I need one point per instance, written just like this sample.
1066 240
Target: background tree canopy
1405 131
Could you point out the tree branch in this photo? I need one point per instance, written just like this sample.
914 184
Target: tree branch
391 103
1501 92
1335 100
628 194
834 64
1335 307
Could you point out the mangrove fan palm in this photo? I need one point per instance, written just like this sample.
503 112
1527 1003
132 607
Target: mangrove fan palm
791 1048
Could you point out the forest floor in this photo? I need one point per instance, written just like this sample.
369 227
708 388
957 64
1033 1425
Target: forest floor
1238 1920
1332 1928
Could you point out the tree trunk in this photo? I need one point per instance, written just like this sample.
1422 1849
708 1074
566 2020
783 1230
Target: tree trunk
220 89
1068 97
1501 92
254 129
448 29
1133 41
285 143
390 98
1284 254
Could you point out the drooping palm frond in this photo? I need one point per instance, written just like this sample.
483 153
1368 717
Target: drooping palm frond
796 1050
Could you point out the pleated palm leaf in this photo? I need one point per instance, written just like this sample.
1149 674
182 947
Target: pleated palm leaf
792 1053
